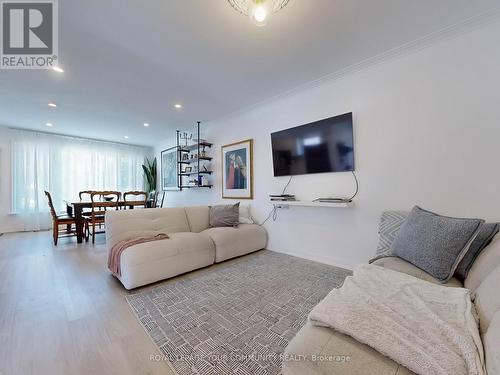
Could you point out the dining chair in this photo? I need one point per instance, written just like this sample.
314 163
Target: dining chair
58 220
84 195
131 199
158 200
101 200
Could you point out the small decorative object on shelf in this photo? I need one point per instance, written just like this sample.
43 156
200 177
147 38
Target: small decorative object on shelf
204 180
184 136
194 155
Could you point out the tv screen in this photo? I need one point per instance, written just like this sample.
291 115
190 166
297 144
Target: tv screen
321 146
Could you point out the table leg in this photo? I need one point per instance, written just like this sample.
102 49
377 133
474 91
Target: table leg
79 224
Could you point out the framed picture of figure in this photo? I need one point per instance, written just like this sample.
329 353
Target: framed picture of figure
237 170
169 169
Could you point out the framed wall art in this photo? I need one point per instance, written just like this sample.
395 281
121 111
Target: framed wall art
169 169
237 170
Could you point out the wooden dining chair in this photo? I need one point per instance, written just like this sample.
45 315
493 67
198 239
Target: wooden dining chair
58 220
101 201
158 200
85 196
132 199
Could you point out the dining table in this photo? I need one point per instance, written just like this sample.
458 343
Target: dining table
75 210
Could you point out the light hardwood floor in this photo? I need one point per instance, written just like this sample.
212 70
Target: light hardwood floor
61 312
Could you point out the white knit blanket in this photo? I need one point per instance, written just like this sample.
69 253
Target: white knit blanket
428 328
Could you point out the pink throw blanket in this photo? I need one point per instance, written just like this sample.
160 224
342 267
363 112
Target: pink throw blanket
117 250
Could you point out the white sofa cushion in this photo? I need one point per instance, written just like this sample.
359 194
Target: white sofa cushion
153 261
491 344
125 224
330 349
401 265
198 218
486 262
487 299
232 242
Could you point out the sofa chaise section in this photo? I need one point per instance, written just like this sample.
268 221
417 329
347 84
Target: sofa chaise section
191 245
321 350
328 343
158 260
153 261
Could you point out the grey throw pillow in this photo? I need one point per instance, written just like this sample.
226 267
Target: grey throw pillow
225 215
435 243
483 239
390 222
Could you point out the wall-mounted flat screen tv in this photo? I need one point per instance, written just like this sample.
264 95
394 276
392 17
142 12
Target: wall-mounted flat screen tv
321 146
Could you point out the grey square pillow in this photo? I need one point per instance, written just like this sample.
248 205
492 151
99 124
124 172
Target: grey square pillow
435 243
483 239
225 215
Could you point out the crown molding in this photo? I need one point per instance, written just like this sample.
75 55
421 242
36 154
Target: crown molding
449 32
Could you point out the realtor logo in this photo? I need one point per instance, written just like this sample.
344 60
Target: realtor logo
29 34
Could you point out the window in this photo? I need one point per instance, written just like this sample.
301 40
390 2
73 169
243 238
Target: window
65 165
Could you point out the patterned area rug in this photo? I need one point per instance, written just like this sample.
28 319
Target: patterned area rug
237 317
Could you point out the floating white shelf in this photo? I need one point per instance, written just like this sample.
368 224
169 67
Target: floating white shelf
312 204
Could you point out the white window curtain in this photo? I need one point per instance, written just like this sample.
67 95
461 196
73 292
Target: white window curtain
64 166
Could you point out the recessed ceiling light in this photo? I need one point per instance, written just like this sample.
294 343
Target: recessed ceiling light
58 69
146 125
126 137
49 124
178 106
52 105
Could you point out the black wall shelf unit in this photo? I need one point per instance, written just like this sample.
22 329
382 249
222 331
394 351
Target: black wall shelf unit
199 157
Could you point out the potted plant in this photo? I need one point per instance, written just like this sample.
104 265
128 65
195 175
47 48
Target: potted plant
150 176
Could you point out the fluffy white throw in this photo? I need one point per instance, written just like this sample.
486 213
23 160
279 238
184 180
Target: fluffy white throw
428 328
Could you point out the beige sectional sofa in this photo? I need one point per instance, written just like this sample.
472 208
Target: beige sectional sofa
192 243
332 347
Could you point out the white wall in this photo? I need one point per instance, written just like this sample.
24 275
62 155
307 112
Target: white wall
427 132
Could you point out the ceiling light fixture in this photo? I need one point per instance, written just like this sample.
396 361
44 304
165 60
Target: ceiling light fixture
52 105
146 125
126 137
49 124
259 11
178 106
58 69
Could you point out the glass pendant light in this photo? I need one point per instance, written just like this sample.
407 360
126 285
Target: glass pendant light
259 11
